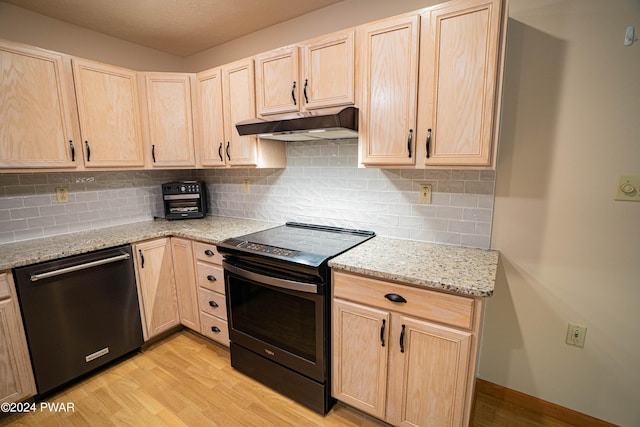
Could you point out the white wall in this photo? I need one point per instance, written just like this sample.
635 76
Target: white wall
569 252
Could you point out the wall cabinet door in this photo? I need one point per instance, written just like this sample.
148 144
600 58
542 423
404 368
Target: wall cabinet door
277 85
428 373
186 283
359 356
156 286
109 112
239 96
459 69
388 70
16 381
328 72
169 119
209 118
37 128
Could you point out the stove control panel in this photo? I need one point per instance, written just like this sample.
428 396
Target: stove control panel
268 249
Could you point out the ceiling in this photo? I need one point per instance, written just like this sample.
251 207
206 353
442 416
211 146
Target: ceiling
178 27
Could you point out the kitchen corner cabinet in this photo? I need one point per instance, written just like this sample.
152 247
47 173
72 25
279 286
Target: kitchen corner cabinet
209 119
156 286
408 363
460 74
16 381
238 90
186 284
316 74
388 78
109 113
37 125
169 135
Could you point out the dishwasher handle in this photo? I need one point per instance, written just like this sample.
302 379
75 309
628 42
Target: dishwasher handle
52 273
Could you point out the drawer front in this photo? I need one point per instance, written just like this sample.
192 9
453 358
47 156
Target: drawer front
437 306
214 328
210 276
212 303
207 252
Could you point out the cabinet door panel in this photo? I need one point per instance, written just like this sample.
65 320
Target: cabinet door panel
209 118
36 125
186 283
459 66
277 85
156 286
109 113
428 383
388 68
16 381
329 69
239 94
170 119
359 358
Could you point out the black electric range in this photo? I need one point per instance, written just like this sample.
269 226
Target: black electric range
277 284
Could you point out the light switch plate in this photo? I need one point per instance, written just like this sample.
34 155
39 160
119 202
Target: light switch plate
628 188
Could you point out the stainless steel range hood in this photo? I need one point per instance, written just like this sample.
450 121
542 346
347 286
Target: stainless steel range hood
342 124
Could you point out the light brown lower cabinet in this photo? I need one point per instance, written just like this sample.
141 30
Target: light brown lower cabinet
156 286
186 285
16 379
400 361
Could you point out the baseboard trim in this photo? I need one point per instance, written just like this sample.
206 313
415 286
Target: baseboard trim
543 407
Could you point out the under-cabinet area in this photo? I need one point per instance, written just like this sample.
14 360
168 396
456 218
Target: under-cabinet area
413 78
180 282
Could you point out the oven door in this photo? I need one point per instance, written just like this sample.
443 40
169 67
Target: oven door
278 318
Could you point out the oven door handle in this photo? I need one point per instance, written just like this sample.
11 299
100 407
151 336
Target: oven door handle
270 280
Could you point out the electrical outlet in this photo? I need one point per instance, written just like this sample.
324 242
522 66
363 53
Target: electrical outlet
576 335
245 187
62 194
425 194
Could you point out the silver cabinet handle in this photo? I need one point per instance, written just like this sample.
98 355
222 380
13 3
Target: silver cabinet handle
36 277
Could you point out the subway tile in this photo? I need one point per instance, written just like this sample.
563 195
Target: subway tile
40 200
464 200
32 233
449 212
465 175
13 225
467 227
5 215
33 178
479 187
447 238
24 213
473 241
11 202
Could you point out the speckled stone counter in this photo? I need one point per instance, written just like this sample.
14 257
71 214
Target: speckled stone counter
210 229
450 268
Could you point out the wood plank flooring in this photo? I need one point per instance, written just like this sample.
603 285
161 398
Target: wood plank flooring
185 380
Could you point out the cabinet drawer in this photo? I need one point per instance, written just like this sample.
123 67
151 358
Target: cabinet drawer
210 276
214 328
212 303
440 307
207 252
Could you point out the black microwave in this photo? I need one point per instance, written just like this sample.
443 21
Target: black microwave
184 199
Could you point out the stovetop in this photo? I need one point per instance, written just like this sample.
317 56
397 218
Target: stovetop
307 244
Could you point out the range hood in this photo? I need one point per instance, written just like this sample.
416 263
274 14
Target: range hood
342 124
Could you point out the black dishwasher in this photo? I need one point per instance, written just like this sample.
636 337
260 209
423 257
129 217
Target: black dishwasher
79 313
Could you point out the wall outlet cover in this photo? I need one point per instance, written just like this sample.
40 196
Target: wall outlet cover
425 194
62 194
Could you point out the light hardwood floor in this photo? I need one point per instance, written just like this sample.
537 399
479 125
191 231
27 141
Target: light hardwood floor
185 380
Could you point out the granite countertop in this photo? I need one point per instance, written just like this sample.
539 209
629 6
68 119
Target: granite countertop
455 269
450 268
211 229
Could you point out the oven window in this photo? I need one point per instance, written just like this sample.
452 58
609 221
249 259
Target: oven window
282 319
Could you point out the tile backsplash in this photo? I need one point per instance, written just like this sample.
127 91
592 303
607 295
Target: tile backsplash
321 184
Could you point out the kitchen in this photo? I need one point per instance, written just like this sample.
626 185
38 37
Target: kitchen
530 189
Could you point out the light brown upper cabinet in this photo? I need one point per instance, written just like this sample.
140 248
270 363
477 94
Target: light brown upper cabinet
168 119
388 75
460 72
316 74
37 126
109 113
238 93
209 118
